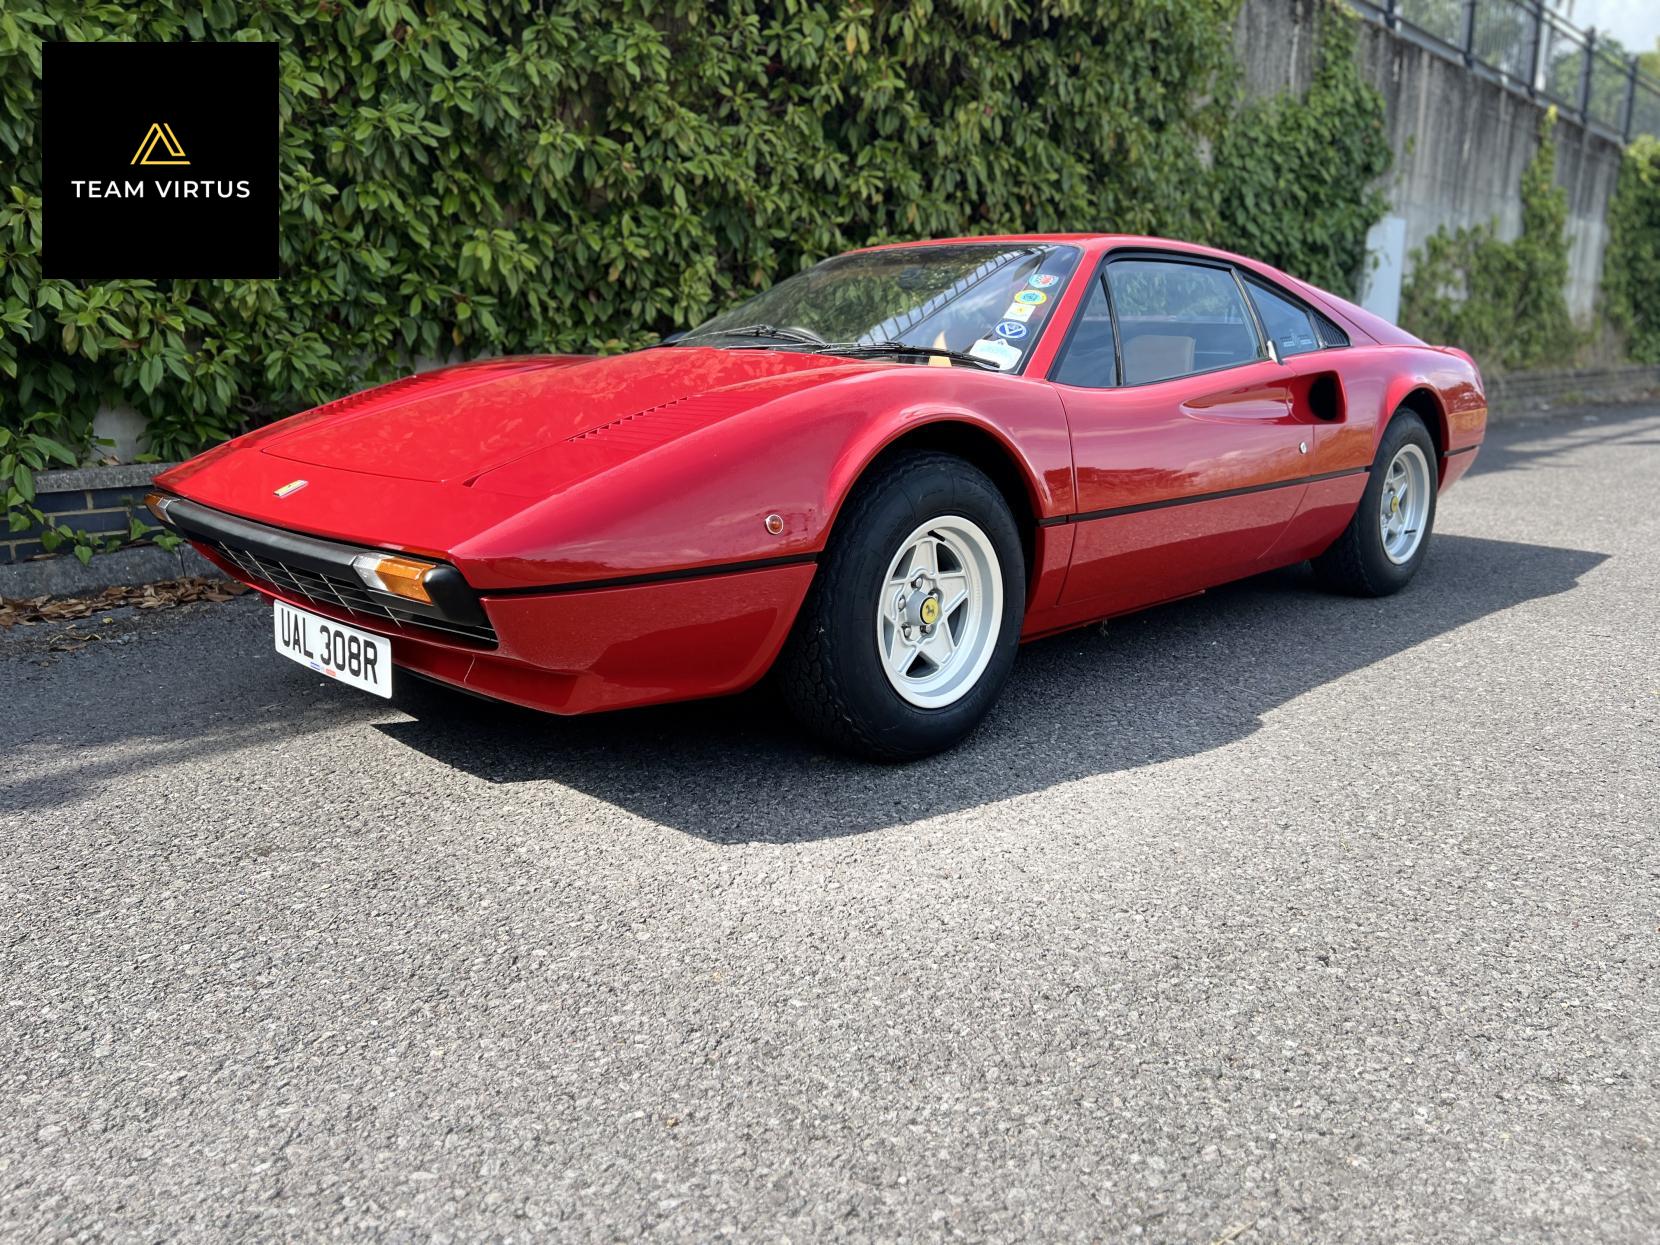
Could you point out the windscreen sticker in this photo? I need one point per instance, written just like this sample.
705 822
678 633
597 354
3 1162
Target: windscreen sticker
994 350
1016 329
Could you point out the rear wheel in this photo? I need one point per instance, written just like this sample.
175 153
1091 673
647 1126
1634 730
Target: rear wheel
1381 549
909 631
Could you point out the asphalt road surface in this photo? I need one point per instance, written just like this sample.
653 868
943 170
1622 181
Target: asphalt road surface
1266 916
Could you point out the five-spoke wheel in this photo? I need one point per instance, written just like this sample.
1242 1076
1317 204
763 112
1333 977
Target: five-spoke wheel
939 611
1384 543
910 628
1404 505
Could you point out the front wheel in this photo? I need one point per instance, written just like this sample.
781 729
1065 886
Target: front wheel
909 631
1385 541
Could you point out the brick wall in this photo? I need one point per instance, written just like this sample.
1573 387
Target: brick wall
93 499
1567 386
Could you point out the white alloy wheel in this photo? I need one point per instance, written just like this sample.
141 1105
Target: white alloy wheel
1404 505
940 612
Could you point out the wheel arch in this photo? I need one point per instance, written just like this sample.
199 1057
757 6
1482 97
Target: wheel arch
1423 401
982 448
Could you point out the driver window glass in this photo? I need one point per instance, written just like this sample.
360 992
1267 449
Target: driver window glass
1176 319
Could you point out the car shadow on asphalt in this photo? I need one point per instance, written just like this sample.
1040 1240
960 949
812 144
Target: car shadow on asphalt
1168 683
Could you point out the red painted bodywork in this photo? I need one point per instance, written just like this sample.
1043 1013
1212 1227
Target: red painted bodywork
554 471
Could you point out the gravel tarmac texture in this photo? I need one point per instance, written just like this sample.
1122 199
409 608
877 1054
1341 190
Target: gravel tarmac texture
1265 916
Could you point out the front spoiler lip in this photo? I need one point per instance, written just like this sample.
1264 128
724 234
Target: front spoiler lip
453 600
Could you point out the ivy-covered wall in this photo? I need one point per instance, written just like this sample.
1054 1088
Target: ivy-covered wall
1298 176
488 176
1503 301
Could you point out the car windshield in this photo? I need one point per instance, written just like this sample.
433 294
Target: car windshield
985 299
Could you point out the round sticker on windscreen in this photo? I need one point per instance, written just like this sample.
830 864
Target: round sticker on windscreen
1013 329
1042 280
1031 296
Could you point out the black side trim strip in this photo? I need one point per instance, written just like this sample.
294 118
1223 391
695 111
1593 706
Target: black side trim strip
655 577
1165 504
1463 449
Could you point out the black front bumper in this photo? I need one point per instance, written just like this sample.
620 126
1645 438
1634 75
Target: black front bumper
308 568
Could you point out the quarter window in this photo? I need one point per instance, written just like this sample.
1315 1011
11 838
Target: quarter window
1330 335
1175 319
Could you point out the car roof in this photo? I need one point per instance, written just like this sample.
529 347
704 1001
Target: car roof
1091 243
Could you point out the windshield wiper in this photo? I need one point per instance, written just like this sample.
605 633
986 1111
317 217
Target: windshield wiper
765 330
933 352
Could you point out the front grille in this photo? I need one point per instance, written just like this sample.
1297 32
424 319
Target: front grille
349 595
309 569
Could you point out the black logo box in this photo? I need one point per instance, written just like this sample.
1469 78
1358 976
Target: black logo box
215 216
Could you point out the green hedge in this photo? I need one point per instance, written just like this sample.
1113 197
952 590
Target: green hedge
476 177
1631 270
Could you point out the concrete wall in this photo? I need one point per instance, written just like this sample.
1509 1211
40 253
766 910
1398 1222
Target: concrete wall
1460 140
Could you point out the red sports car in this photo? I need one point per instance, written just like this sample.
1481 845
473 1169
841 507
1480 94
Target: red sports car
874 479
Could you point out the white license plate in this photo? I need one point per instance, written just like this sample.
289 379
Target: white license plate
334 649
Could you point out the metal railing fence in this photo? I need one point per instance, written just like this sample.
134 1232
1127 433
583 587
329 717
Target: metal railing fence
1530 49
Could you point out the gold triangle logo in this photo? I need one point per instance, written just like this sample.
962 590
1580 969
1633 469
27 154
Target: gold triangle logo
159 132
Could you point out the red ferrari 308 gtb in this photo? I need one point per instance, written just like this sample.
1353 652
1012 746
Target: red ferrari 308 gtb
875 478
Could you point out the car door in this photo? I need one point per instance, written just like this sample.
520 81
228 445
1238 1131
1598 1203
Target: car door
1188 457
1310 345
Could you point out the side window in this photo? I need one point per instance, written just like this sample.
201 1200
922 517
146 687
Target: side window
1177 318
1090 359
1288 325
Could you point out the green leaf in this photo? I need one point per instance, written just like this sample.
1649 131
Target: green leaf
54 448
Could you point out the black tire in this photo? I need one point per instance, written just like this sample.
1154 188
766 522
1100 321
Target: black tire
831 672
1356 563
